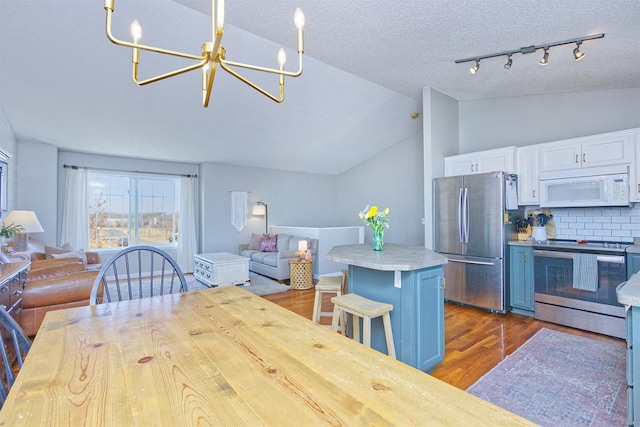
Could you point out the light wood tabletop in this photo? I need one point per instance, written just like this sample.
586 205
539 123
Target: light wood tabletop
221 356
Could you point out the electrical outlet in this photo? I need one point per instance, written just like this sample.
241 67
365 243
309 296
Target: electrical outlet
422 221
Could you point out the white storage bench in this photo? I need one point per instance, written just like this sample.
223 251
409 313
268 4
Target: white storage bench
221 269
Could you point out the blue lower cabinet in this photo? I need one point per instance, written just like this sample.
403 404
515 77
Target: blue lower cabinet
521 285
633 264
633 365
417 318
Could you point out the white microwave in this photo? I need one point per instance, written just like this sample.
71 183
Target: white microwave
585 187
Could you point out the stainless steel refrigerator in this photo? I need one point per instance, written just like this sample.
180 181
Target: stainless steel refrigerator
471 228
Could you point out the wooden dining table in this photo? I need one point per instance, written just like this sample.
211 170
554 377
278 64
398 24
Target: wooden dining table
221 356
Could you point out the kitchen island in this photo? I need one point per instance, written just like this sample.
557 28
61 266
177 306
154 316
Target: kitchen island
411 278
628 294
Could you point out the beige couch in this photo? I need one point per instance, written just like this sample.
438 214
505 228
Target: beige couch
276 264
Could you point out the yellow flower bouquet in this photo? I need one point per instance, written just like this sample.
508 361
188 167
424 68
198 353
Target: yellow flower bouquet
378 221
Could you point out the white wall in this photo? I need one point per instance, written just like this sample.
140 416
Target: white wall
440 140
293 199
9 143
526 120
37 189
393 179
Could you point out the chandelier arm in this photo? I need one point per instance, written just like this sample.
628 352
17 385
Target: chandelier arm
255 86
207 84
119 42
166 75
226 64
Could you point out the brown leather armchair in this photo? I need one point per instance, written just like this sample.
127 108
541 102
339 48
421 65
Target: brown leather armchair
54 284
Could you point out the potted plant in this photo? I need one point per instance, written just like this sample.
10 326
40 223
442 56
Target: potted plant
9 231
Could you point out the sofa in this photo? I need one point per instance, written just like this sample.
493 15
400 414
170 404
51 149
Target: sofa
272 259
54 283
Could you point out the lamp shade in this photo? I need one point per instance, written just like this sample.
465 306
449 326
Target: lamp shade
27 219
259 210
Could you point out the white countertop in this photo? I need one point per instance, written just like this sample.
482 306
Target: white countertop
629 293
394 257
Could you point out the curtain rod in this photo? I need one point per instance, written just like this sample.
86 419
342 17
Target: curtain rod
123 170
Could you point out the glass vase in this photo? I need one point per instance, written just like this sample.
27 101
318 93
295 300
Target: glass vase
378 240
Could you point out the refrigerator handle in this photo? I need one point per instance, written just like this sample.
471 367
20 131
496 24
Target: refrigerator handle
465 215
460 236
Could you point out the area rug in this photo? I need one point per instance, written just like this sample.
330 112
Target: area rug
559 379
258 284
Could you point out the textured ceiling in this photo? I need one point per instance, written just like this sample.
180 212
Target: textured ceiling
63 83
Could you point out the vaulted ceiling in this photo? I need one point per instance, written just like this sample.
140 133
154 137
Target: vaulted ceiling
63 83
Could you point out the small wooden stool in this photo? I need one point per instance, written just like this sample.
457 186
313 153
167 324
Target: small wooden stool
328 284
367 310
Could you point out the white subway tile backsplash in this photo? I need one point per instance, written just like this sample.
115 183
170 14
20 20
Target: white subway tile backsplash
621 219
584 219
608 224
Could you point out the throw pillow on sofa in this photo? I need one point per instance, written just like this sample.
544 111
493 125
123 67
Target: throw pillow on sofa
269 243
254 245
72 254
50 250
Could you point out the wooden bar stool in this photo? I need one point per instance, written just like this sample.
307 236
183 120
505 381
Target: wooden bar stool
328 284
366 309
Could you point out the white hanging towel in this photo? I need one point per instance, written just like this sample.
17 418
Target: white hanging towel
585 272
239 209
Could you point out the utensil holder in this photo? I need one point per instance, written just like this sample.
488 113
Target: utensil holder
539 234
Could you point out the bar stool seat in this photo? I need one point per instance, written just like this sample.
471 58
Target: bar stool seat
365 309
327 284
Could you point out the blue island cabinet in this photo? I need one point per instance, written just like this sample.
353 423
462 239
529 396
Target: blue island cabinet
417 318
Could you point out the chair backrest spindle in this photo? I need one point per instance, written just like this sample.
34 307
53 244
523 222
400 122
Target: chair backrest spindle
136 265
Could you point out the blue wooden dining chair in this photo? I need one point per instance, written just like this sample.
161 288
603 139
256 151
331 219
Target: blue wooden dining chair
137 272
14 348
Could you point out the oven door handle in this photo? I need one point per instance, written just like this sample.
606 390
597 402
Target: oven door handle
614 259
464 261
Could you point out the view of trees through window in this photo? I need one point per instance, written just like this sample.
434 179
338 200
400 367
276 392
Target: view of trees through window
129 209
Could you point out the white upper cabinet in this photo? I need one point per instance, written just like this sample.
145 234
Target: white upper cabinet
613 148
528 175
499 159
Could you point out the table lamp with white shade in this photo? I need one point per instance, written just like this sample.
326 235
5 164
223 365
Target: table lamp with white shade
29 223
302 247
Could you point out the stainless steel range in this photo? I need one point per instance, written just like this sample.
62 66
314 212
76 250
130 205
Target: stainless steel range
575 284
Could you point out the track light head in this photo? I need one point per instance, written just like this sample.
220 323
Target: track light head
475 68
545 57
577 55
509 62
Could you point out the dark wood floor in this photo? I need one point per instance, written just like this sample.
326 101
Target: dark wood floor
475 340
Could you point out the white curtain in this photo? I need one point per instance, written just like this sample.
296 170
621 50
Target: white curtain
187 243
75 216
239 207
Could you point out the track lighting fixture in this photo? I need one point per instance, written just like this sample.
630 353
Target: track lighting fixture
545 57
509 62
475 68
577 54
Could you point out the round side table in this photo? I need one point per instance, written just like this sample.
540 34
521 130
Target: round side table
301 274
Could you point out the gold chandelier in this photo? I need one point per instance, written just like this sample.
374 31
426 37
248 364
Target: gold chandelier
212 54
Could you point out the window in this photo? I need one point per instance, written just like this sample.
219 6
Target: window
132 209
